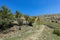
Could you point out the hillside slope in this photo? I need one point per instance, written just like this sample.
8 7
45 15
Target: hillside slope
42 29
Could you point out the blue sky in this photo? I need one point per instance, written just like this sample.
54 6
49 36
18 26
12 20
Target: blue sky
33 7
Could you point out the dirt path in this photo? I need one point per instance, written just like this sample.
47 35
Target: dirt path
36 35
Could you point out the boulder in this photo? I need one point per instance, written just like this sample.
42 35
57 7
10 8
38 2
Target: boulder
25 22
15 22
14 28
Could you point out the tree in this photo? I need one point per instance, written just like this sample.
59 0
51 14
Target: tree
11 16
5 12
0 13
18 14
26 17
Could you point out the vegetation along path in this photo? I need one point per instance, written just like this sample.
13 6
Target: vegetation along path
36 35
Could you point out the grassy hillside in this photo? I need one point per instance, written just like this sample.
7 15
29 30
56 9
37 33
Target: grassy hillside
23 27
47 33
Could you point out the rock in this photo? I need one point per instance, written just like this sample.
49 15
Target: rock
14 28
15 22
25 22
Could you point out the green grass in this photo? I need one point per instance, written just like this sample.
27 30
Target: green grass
47 34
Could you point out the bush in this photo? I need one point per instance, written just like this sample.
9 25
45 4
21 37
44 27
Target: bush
26 17
31 20
57 31
4 24
20 23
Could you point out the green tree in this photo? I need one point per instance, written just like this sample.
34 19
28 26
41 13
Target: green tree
11 16
0 13
18 14
5 12
26 17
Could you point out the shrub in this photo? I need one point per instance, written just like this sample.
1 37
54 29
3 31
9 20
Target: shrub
18 14
4 24
57 31
26 17
20 23
31 20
